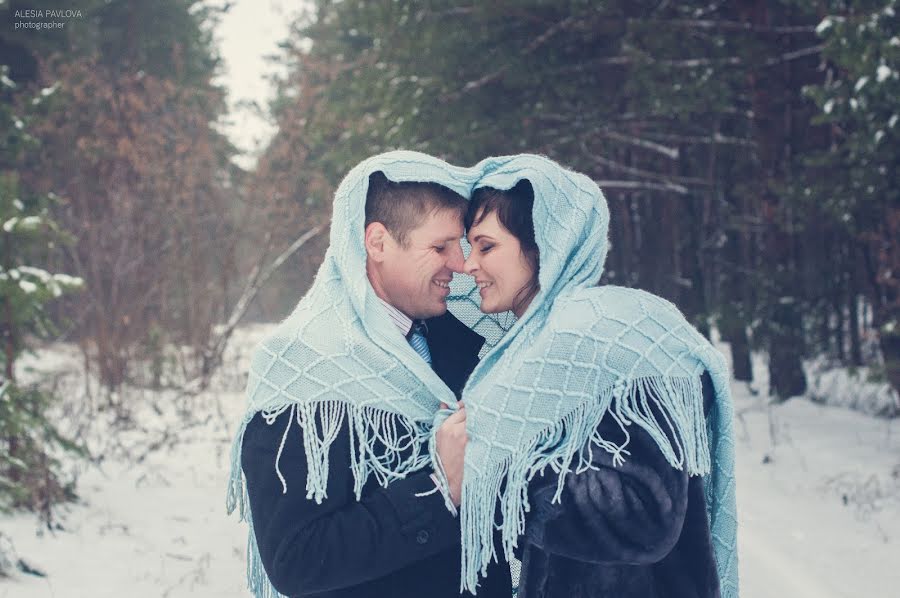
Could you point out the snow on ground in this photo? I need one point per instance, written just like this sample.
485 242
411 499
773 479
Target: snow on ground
854 389
818 500
818 494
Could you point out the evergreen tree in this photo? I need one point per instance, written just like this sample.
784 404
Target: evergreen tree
135 149
853 181
673 108
29 472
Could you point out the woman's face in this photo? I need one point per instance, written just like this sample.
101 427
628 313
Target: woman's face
500 268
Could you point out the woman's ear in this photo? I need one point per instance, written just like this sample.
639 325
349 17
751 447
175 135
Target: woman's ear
375 238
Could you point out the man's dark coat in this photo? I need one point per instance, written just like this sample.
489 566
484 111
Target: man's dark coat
391 543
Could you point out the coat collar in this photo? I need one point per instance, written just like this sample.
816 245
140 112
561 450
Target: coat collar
454 350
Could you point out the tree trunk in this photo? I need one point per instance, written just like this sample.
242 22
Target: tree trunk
890 350
736 336
786 376
853 328
839 341
771 90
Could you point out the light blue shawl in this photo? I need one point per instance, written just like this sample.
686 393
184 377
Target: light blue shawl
338 356
581 352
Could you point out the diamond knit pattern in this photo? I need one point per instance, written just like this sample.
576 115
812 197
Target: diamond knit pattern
579 351
536 397
338 357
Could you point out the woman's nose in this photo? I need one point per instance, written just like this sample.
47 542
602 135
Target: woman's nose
470 265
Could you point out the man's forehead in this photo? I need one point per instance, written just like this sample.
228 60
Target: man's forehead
446 224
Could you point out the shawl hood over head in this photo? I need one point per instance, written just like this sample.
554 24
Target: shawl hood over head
339 360
579 353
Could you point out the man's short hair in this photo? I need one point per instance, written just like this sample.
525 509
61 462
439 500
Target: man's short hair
403 207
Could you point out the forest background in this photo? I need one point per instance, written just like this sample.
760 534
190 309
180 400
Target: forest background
746 150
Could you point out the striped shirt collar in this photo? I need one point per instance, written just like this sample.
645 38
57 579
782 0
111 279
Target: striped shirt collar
403 322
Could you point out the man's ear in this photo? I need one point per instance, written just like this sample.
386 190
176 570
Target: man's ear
375 238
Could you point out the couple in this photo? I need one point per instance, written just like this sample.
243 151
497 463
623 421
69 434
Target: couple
379 457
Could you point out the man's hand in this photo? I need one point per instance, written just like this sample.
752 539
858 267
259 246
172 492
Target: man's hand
451 447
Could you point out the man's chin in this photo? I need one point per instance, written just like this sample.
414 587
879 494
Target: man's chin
436 310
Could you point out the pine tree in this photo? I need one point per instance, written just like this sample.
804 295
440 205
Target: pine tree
853 181
668 106
135 149
29 474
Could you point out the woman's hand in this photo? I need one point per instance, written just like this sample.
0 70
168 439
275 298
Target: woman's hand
451 449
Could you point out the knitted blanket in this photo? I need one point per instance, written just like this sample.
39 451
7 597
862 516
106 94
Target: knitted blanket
579 353
338 357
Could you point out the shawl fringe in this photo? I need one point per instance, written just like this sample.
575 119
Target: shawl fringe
385 445
680 432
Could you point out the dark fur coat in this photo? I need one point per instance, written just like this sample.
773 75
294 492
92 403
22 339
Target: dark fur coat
638 530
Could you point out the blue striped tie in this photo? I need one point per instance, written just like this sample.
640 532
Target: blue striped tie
418 342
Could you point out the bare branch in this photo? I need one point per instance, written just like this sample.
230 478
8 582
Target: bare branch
688 63
629 60
491 77
733 26
643 185
708 139
795 55
691 63
669 180
450 12
212 355
669 152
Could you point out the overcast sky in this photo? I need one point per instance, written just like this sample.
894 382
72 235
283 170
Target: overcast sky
248 33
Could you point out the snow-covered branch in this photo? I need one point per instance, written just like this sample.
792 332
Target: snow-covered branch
666 179
669 152
646 185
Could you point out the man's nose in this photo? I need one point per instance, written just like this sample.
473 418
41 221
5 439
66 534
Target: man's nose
471 264
456 260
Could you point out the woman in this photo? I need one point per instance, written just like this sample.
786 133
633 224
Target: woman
602 384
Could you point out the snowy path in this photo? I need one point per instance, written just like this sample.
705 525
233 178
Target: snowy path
818 501
820 518
766 565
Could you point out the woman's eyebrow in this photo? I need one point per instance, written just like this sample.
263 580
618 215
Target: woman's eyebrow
481 236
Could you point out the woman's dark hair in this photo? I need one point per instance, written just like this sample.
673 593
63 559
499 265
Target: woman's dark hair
513 208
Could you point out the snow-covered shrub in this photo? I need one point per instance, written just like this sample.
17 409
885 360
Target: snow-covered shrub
855 388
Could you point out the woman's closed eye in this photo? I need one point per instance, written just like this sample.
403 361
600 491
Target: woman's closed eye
485 248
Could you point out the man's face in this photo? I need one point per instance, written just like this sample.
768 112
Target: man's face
416 279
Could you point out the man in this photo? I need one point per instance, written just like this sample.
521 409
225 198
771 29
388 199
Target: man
361 538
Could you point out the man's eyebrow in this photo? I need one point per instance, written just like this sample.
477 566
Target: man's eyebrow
448 239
